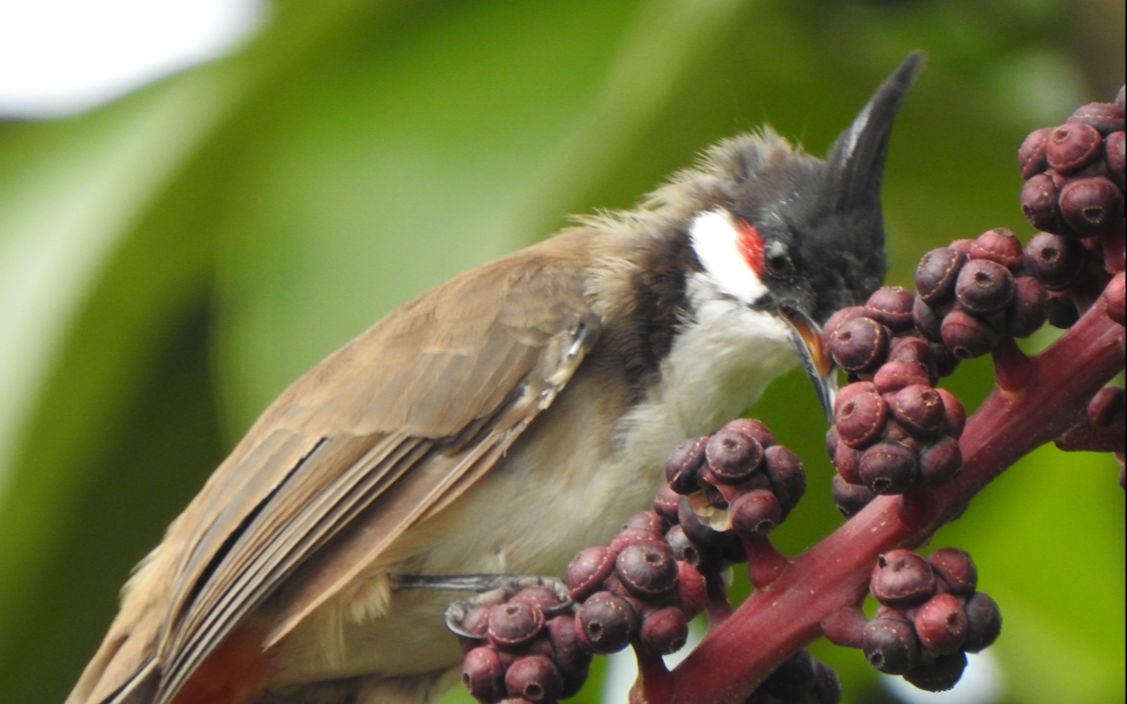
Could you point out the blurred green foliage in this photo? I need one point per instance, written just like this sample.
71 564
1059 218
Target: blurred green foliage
170 261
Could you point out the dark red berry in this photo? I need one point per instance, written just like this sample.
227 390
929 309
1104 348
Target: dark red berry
984 622
753 427
733 456
1027 310
919 407
608 621
514 624
587 570
1104 117
850 498
1039 203
793 679
927 320
647 569
967 335
888 467
940 674
755 513
984 286
683 548
1062 312
538 597
483 675
1054 259
941 624
840 317
936 274
665 503
859 344
998 245
682 469
956 413
956 569
940 462
859 414
787 476
1031 155
902 578
827 686
535 678
1092 206
892 307
895 375
663 631
912 349
646 523
890 645
1114 157
1072 146
568 653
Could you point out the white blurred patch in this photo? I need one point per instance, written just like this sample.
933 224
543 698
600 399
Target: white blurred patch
981 684
59 57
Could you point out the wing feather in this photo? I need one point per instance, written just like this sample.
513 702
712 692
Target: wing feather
388 430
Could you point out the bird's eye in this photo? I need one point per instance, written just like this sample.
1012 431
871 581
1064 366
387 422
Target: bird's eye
777 258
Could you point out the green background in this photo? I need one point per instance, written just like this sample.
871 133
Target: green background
170 261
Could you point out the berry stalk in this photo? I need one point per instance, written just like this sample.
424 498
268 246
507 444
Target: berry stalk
781 618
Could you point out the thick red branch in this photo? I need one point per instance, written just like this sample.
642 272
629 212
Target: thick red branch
778 620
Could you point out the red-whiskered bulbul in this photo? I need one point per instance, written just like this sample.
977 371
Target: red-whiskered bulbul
496 424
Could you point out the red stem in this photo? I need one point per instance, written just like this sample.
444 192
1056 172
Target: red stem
778 620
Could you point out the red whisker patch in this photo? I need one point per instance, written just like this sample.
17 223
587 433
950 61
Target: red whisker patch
750 245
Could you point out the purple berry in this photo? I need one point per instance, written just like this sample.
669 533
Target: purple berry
850 498
919 407
998 245
1054 259
663 631
902 578
890 645
587 570
1039 202
1031 155
682 469
514 624
936 274
859 414
888 467
940 462
1027 310
984 286
535 678
940 674
1092 206
733 456
608 621
941 624
1104 117
859 344
984 622
647 569
956 569
786 475
967 335
755 513
1072 146
483 675
892 307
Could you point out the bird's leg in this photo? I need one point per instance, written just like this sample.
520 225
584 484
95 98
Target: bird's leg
491 589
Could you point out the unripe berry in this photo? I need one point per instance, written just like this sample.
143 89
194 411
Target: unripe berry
535 678
890 645
1092 206
859 414
859 344
941 624
608 622
663 631
902 578
936 274
984 286
1072 146
892 307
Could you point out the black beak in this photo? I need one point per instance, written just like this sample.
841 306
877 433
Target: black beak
807 337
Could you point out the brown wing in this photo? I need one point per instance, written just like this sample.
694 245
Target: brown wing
393 426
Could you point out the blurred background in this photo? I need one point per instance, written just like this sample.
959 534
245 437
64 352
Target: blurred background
173 252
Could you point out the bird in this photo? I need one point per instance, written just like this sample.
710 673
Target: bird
497 424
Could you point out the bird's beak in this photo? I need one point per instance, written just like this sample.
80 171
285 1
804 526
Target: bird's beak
807 337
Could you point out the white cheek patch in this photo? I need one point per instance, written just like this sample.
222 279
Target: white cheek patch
716 241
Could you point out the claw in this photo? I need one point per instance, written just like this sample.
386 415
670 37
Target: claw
491 589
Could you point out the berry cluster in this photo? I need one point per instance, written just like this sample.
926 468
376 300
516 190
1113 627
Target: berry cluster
726 493
1075 178
930 616
893 428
